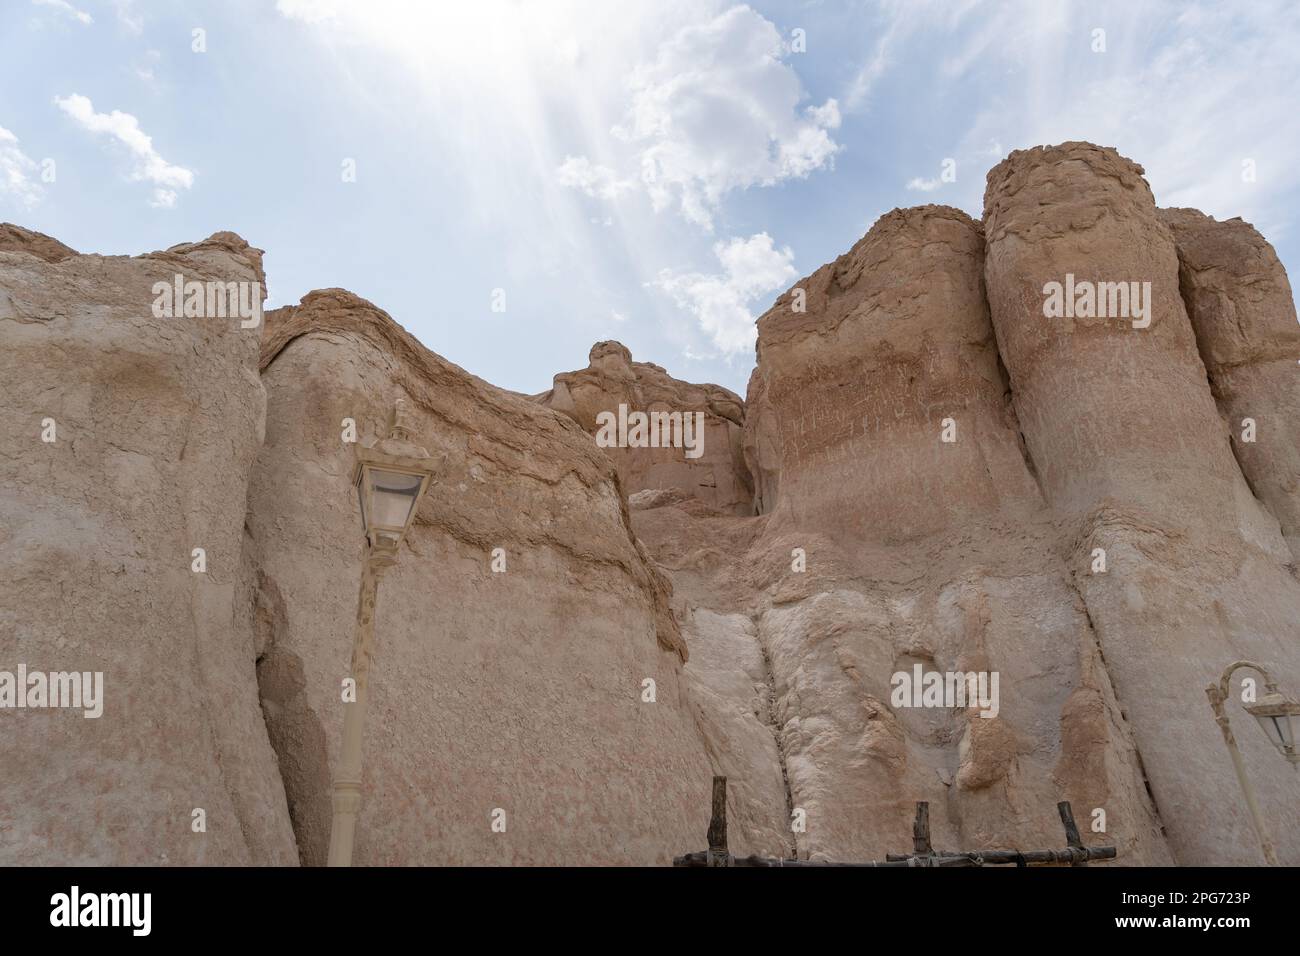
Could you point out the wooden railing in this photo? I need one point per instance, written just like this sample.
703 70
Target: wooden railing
923 854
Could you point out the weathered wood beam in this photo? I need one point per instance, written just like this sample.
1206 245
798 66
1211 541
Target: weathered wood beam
1072 855
921 829
717 835
1072 837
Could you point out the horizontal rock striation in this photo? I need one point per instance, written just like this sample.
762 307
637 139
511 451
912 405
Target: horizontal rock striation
1056 446
518 688
880 422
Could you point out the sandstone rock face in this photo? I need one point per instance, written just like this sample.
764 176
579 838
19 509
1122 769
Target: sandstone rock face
934 470
155 423
717 475
17 239
919 551
1135 459
1240 303
519 690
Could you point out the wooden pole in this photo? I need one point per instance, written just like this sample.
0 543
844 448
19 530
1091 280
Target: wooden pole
717 836
1072 837
921 830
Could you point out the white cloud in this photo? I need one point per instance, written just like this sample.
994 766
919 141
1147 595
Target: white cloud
128 16
81 16
721 303
144 70
599 182
149 166
16 168
924 185
308 11
1187 90
716 109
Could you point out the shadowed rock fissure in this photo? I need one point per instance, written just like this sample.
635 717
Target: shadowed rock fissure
774 726
295 733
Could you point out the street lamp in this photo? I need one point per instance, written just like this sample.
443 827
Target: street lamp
1278 718
390 476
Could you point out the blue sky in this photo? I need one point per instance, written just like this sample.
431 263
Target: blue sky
654 172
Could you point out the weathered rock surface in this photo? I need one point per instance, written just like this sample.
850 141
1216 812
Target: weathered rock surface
17 239
1240 303
927 472
156 423
1134 458
919 551
717 477
519 690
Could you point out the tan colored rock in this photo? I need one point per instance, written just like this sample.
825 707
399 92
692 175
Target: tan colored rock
718 476
519 690
919 552
1241 307
156 422
17 239
1134 458
829 539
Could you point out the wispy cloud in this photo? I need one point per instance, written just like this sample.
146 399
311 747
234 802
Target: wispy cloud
62 6
599 182
1189 90
148 165
16 169
128 16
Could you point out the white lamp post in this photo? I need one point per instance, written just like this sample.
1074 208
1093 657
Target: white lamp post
1277 716
390 476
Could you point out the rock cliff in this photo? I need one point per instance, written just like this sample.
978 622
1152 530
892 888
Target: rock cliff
1056 447
716 474
128 443
1135 459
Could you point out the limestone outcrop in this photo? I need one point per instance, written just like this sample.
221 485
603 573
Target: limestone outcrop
1135 459
714 472
903 528
128 443
514 635
1243 313
17 239
1054 450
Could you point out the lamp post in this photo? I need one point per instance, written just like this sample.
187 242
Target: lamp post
1277 717
390 477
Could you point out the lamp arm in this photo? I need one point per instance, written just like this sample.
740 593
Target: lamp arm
1269 684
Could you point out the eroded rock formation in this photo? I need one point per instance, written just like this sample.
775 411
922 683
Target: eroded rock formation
1135 459
714 471
518 689
932 470
156 423
1242 310
918 551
